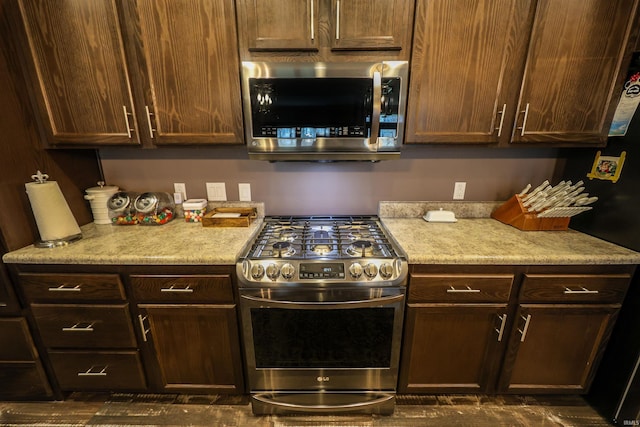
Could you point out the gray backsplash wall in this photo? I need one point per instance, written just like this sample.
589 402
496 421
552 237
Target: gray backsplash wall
305 188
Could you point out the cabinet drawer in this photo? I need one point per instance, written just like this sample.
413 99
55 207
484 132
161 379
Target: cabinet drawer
15 340
209 288
72 287
22 380
96 326
79 371
580 288
460 287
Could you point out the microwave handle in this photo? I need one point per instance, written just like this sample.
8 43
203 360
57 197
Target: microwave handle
377 99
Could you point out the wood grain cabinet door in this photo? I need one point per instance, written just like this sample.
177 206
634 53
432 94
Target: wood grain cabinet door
370 24
190 59
196 347
79 66
569 89
279 25
465 70
556 348
452 348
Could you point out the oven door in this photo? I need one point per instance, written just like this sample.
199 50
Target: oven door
322 339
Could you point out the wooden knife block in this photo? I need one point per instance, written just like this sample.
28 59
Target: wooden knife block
512 212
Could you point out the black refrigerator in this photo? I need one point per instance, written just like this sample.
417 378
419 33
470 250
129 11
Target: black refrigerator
615 217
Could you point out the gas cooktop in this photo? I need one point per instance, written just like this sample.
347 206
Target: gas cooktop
292 249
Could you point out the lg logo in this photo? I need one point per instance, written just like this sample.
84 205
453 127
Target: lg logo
322 379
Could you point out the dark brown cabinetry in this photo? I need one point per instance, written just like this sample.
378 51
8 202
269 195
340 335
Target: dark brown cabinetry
85 325
454 332
145 72
189 325
500 72
321 28
516 330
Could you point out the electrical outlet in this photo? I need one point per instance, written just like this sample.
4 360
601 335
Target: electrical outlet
458 190
244 192
216 191
180 187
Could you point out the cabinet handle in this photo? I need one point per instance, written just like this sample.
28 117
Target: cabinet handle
524 120
126 121
582 290
312 15
149 114
337 19
3 304
144 330
377 100
502 114
188 289
503 322
78 328
524 330
468 290
66 288
90 373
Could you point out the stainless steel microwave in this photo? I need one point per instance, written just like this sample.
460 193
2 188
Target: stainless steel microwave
322 111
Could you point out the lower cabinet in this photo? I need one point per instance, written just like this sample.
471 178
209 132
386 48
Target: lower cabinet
542 332
189 329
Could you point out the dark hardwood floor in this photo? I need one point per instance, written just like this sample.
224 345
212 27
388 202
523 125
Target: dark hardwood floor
84 409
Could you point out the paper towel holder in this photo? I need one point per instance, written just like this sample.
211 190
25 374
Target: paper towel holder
41 178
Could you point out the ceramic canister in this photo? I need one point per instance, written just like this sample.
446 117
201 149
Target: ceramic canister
98 198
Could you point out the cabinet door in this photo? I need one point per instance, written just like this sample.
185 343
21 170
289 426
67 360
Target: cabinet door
196 347
465 70
80 70
190 52
556 348
450 348
272 25
370 24
575 53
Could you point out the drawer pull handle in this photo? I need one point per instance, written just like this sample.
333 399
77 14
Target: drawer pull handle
79 328
3 304
66 288
172 288
90 373
524 330
468 290
144 330
582 290
503 322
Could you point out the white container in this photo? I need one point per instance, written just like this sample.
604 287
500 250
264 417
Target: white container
98 198
194 209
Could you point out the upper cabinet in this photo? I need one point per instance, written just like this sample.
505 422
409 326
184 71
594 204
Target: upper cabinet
135 72
325 29
512 71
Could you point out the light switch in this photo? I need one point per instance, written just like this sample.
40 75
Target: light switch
216 191
244 192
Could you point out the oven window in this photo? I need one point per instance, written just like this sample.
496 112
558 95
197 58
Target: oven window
340 338
309 102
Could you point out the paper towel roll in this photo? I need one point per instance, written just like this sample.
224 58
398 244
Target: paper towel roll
54 218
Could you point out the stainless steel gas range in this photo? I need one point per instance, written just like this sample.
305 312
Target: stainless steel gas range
322 302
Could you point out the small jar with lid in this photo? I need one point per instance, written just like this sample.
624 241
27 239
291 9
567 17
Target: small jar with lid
194 209
121 210
154 208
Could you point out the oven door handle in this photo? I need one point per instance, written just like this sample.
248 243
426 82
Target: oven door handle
323 408
315 305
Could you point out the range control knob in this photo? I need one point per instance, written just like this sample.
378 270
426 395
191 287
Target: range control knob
287 271
386 270
370 270
257 271
355 270
273 271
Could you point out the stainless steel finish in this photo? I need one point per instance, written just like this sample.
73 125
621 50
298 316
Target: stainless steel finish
149 114
143 328
78 328
65 241
323 305
337 19
583 290
367 148
524 120
126 121
462 291
502 114
64 288
312 16
89 373
503 322
188 289
375 117
283 403
524 330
